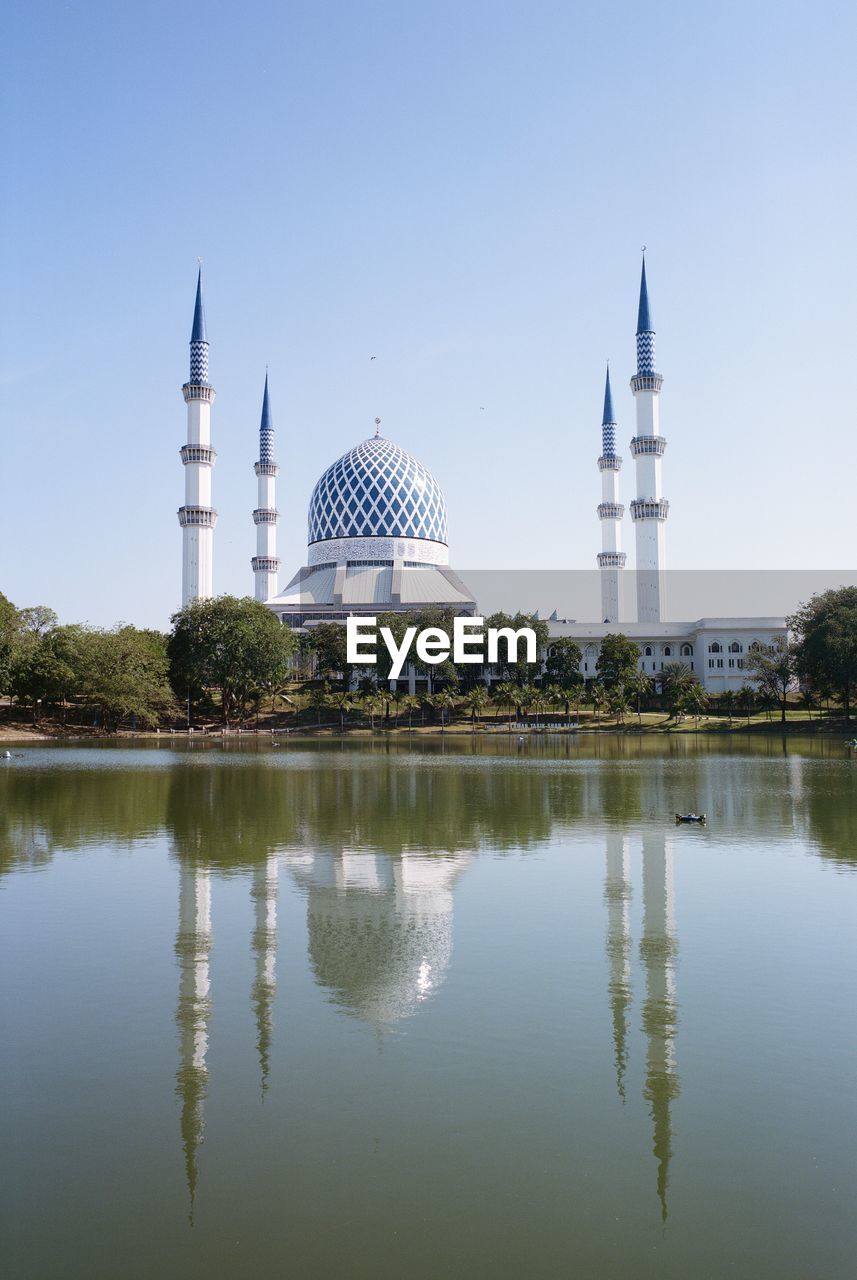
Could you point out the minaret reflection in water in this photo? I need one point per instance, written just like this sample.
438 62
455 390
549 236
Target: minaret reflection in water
658 949
193 946
264 891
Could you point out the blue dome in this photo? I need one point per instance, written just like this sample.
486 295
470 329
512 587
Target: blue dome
376 490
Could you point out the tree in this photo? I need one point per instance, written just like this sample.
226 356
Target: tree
772 667
562 665
746 698
693 699
234 646
825 631
49 669
475 700
126 675
503 695
444 702
596 695
617 660
617 701
9 627
638 686
327 643
344 702
410 704
676 679
521 671
319 700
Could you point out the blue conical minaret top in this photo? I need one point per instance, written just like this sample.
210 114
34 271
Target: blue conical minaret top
645 332
266 428
199 340
608 422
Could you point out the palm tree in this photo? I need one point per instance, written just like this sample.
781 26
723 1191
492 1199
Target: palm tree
528 696
319 699
694 699
410 705
676 679
555 696
748 697
443 701
397 697
617 700
506 695
343 701
596 696
639 686
373 703
475 700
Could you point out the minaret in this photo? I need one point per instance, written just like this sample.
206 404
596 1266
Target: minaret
193 946
197 517
266 566
650 509
611 559
660 1010
264 892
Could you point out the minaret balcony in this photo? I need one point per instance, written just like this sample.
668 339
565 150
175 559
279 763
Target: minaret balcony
646 382
611 559
200 453
265 515
198 517
646 446
267 469
265 564
609 462
611 510
197 391
650 509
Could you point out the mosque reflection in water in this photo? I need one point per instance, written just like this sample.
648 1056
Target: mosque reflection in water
379 937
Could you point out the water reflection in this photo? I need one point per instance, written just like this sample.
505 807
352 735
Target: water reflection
377 844
193 948
379 928
658 950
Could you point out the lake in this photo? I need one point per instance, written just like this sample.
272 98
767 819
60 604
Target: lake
447 1008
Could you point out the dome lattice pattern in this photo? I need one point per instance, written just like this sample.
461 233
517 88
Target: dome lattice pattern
376 490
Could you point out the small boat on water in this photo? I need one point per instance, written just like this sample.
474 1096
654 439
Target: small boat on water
690 817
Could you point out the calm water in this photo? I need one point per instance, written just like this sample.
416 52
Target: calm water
381 1011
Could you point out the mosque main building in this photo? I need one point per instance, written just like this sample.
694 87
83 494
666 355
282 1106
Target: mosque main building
377 536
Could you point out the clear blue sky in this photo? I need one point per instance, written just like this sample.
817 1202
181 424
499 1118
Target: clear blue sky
460 189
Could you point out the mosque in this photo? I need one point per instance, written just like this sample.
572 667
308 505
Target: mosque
377 536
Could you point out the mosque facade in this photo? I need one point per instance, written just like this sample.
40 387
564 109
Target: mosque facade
377 535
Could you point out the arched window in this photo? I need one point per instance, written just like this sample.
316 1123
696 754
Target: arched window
715 647
687 650
668 653
735 647
648 651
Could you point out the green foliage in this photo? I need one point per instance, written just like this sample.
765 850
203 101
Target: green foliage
327 643
562 666
521 671
676 678
8 634
773 670
617 660
825 631
234 646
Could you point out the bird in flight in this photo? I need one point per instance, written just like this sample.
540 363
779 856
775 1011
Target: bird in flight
373 357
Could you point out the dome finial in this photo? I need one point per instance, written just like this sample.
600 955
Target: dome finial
377 427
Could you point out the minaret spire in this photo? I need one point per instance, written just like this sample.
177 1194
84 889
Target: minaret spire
264 892
197 517
265 564
650 509
611 558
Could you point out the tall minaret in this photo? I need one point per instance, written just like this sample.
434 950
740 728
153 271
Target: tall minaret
266 566
197 517
650 509
611 560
